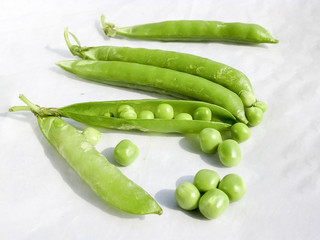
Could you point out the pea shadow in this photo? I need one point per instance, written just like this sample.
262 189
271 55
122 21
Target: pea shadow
191 144
68 175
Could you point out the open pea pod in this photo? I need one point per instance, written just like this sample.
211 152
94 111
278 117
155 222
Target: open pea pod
106 114
105 179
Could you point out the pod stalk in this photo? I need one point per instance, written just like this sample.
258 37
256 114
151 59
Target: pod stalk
108 28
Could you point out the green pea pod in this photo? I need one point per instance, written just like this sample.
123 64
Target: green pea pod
193 31
104 179
106 115
98 114
214 71
156 79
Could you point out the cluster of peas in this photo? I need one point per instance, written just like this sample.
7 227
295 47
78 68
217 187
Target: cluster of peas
208 194
228 150
163 111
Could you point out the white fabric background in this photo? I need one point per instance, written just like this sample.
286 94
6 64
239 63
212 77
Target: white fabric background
41 198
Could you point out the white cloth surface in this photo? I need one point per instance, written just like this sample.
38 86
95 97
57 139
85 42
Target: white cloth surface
42 198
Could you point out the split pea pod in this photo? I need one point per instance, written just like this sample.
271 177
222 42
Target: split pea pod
193 31
217 72
109 114
156 79
106 180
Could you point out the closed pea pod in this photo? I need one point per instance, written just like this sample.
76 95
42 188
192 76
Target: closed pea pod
217 72
156 79
193 31
103 178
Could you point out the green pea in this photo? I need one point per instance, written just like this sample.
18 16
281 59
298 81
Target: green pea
240 132
128 114
124 107
229 153
254 115
202 113
183 116
164 111
210 139
146 114
92 135
125 152
233 186
262 105
187 196
213 203
206 180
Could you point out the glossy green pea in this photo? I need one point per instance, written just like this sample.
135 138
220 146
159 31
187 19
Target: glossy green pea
254 115
233 185
187 196
146 114
229 153
125 152
93 168
92 135
206 179
240 132
125 107
209 140
217 72
157 79
164 111
213 203
202 113
128 114
183 116
193 30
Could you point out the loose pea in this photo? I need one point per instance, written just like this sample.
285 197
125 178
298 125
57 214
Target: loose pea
206 179
187 196
183 116
124 107
92 135
202 113
146 114
254 115
209 140
125 152
233 186
213 203
229 153
128 114
164 111
240 132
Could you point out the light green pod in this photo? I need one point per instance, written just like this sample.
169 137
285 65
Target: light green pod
157 79
217 72
193 31
104 179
